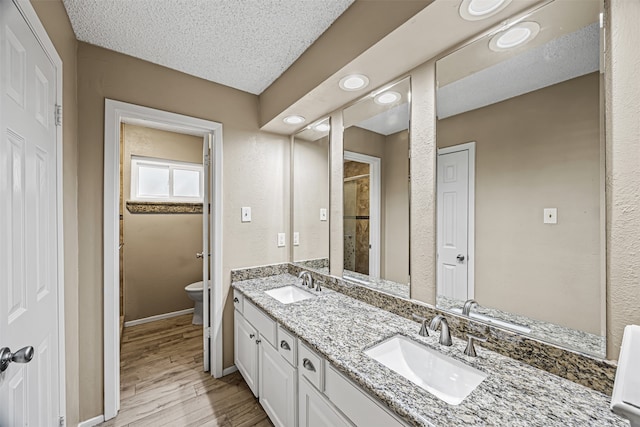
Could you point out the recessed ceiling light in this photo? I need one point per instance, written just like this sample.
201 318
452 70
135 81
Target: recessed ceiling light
293 120
388 97
354 82
515 36
322 127
474 10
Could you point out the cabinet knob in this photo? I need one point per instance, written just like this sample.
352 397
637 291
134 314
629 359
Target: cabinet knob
308 365
284 345
252 335
258 341
235 299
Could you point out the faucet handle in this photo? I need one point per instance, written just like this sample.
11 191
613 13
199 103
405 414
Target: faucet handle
423 330
470 350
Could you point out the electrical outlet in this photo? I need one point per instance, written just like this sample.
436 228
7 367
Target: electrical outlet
550 215
296 238
281 240
246 214
323 214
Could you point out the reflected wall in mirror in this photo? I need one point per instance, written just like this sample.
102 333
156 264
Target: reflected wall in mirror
311 197
520 177
376 190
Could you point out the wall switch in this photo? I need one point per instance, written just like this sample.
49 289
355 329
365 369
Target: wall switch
246 214
550 215
281 242
296 238
323 214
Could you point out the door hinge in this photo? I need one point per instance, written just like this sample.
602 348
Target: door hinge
61 422
58 115
206 160
207 332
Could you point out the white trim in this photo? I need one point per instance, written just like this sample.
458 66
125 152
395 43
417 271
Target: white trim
157 317
230 370
92 422
32 20
374 207
471 218
117 112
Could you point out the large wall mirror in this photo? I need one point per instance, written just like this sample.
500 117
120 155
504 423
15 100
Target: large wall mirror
311 197
376 190
520 177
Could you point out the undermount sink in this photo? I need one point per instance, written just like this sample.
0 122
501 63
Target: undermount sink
437 373
289 294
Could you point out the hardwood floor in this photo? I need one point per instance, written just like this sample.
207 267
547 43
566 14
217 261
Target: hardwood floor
162 382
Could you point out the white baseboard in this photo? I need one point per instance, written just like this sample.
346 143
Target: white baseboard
229 370
92 422
157 317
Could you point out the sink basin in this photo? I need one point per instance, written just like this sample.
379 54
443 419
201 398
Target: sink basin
289 294
437 373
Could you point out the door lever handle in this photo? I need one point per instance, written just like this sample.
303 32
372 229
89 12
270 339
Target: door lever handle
24 355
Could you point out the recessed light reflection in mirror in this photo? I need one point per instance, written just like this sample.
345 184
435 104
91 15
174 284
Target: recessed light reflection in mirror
514 36
474 10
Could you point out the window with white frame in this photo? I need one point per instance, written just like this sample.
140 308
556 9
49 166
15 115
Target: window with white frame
166 180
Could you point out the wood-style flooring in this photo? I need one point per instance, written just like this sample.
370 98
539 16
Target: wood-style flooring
162 382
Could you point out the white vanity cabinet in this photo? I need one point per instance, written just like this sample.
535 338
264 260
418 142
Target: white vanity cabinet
270 372
246 350
278 386
315 409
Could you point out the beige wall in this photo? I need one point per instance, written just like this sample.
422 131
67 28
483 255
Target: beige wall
55 20
395 174
255 173
623 164
310 194
535 151
159 251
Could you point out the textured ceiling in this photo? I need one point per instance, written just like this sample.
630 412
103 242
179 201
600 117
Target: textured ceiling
245 44
566 57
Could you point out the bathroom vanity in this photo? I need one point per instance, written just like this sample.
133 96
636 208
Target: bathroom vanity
306 362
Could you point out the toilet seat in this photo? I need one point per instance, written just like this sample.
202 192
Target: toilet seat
194 287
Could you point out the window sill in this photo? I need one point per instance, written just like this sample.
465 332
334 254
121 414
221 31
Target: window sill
137 207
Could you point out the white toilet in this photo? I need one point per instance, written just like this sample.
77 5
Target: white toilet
194 291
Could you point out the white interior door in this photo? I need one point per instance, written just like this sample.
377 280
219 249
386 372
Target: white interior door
29 392
453 221
206 259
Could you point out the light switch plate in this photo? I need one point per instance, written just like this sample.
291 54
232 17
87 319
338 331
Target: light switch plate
323 214
246 214
296 238
281 241
550 215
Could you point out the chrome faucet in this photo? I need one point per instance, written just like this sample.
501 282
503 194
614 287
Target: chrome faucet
468 305
307 279
470 349
445 335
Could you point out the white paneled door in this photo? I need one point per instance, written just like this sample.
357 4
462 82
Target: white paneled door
29 392
453 221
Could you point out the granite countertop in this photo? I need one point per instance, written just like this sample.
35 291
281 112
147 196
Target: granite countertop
513 394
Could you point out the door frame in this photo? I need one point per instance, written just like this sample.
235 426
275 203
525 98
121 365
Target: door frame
117 112
374 207
471 215
33 21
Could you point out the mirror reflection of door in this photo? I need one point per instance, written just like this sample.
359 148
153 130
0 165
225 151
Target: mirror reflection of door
356 216
455 221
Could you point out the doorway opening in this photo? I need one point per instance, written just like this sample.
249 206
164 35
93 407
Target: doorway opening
117 116
362 214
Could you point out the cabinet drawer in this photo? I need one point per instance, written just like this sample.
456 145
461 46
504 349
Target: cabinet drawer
263 323
287 345
238 300
310 366
358 406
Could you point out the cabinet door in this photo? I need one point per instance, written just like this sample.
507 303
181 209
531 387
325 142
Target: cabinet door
315 410
246 351
277 385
